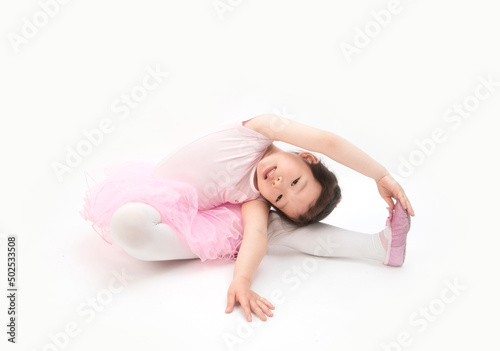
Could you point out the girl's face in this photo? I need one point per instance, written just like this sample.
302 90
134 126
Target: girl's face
286 181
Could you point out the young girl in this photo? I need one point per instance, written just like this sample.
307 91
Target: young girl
211 199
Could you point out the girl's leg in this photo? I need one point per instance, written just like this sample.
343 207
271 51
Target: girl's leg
137 228
321 239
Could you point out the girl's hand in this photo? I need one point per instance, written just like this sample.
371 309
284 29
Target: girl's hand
239 290
389 188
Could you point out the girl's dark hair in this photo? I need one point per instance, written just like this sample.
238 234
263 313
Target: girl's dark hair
328 199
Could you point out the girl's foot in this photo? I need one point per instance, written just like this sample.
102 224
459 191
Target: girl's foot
393 237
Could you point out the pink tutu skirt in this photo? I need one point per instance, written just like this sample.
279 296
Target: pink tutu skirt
211 234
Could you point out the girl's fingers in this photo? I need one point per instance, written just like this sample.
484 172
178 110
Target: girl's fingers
267 303
246 309
410 208
264 308
258 305
389 202
257 310
230 302
407 205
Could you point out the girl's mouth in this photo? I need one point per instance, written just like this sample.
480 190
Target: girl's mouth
268 173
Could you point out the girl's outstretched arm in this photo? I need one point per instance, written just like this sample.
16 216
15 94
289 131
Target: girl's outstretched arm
252 250
335 147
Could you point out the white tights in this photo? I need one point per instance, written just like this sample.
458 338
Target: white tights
137 228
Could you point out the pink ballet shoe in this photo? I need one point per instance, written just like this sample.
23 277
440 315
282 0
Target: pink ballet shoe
399 220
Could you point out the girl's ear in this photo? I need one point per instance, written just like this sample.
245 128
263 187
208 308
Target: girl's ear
310 158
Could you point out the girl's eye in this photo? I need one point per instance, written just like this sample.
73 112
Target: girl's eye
293 183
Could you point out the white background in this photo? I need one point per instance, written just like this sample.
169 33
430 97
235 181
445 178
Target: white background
262 56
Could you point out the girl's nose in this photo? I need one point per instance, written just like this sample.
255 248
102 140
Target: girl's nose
277 180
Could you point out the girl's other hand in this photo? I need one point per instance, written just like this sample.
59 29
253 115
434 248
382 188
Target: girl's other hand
389 188
239 290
